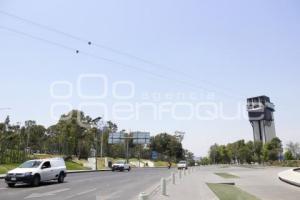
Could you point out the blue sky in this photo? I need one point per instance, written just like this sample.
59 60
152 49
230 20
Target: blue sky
249 48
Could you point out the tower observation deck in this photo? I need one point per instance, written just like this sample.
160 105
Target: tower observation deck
260 110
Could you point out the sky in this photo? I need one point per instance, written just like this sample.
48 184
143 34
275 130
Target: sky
157 66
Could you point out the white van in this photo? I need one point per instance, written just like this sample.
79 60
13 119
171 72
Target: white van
182 165
35 171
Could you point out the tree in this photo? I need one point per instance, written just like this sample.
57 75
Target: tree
214 154
258 151
189 157
167 145
294 148
205 161
272 150
241 152
288 155
75 134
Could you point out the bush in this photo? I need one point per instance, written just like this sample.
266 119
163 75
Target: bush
285 163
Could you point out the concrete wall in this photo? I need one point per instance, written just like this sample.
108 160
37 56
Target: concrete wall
263 130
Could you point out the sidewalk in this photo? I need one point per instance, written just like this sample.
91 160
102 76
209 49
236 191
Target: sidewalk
190 187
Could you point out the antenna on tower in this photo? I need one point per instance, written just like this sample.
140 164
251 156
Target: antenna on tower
179 135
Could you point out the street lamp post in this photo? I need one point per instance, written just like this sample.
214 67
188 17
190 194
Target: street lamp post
101 147
96 122
99 125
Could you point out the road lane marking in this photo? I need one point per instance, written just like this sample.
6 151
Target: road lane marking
88 191
51 193
112 195
80 193
3 188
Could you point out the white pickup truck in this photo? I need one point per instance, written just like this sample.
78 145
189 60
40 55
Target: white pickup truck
35 171
121 165
182 165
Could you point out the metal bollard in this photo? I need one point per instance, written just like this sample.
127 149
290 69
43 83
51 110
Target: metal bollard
143 196
173 178
184 172
180 175
163 186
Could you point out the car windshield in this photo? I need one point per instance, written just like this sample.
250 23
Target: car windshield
30 164
120 162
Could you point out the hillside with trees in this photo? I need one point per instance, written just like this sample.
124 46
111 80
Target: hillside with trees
74 135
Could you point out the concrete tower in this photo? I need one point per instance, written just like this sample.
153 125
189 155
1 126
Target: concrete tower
179 135
260 110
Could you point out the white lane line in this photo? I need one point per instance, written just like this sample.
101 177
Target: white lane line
88 191
80 193
113 195
50 193
3 188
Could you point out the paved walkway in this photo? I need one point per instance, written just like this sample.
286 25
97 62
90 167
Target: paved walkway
192 186
261 182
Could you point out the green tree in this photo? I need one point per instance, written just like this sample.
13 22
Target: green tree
167 145
272 149
258 151
288 155
294 148
205 161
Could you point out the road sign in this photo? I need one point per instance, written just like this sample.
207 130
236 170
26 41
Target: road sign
116 138
141 137
154 155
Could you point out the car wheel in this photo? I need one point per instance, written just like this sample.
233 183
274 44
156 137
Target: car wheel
61 178
113 169
129 168
36 181
11 184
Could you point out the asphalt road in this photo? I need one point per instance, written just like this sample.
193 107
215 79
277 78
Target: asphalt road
90 186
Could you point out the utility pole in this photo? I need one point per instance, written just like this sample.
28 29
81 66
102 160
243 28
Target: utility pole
101 148
96 123
127 150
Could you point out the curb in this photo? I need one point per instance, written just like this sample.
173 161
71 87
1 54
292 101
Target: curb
87 171
289 182
290 176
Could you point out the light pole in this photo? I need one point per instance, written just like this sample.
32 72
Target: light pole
95 122
101 147
99 126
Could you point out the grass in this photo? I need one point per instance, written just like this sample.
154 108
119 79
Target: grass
74 166
161 164
4 168
226 175
230 192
